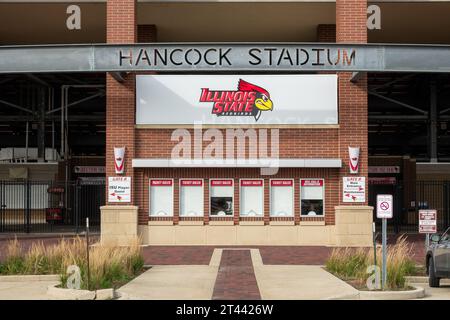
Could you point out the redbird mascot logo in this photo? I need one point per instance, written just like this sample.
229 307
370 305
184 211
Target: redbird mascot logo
247 100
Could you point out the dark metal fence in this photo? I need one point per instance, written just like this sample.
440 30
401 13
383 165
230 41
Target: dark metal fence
428 195
434 195
49 206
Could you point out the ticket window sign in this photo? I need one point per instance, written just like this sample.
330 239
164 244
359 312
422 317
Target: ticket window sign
191 198
221 197
312 195
282 198
161 198
252 198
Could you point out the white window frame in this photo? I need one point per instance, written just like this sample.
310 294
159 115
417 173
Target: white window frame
209 196
293 199
323 195
240 198
179 197
150 194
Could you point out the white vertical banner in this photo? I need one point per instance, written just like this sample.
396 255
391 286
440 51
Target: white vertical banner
353 154
119 160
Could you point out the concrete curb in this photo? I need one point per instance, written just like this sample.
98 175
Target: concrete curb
72 294
25 278
417 293
424 279
348 296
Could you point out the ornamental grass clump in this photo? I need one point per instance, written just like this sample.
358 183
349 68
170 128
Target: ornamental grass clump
347 263
110 266
13 261
351 264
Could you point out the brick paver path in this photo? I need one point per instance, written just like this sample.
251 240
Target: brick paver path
236 277
178 255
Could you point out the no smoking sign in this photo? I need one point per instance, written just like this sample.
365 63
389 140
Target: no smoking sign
384 206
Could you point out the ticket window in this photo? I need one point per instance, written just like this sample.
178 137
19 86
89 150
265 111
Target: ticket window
191 198
312 197
161 198
282 198
221 197
251 198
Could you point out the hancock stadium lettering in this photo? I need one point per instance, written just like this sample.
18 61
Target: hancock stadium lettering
224 57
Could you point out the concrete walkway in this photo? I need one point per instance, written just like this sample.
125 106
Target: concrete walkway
25 290
282 282
441 293
174 282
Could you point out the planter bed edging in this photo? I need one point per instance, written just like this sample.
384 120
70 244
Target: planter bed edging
73 294
424 279
31 277
416 293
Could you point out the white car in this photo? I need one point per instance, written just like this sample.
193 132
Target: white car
438 258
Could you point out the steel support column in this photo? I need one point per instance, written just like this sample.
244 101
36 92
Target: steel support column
433 122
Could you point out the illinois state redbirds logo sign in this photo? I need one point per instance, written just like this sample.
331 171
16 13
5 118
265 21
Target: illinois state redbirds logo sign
248 100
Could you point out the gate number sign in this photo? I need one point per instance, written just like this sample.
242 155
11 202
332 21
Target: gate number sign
384 206
427 221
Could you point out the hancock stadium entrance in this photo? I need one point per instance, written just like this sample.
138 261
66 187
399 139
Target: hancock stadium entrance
104 113
53 133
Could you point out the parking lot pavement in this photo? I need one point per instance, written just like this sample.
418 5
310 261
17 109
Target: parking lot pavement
441 293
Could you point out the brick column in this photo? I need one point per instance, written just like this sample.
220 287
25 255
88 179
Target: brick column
119 220
353 220
120 97
351 27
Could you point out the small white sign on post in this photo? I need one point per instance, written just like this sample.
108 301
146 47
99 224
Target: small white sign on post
354 189
427 221
384 206
119 189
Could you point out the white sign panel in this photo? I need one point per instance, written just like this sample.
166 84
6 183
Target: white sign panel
354 189
384 206
427 221
119 189
236 99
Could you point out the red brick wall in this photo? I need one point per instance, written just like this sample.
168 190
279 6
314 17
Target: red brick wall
351 16
293 143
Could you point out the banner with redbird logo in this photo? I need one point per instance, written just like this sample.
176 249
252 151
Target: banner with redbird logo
236 99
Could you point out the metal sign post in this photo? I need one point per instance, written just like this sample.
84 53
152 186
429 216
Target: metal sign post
374 235
384 212
427 224
87 252
384 262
